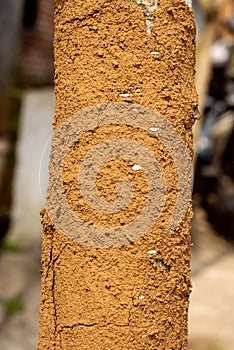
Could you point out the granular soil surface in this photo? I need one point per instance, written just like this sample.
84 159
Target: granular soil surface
122 297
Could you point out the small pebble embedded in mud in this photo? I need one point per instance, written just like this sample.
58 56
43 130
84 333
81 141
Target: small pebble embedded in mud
154 129
125 95
152 252
136 167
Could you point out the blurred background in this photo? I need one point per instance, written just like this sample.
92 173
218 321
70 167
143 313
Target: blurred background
26 114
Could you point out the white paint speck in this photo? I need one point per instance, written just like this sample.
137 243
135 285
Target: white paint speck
165 89
152 252
125 95
141 297
154 53
138 90
136 167
153 128
144 335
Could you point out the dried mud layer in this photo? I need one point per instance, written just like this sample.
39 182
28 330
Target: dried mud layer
120 297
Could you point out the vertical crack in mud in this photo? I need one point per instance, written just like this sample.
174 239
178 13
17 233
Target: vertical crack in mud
50 270
54 299
52 262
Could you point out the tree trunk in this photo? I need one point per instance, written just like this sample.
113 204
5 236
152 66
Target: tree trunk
116 241
10 17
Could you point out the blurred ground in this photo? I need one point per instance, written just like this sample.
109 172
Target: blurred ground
212 301
20 255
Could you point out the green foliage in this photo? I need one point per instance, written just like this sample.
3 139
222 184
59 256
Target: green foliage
9 245
13 305
216 347
16 93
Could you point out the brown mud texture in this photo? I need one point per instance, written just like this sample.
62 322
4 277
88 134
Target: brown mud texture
120 297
